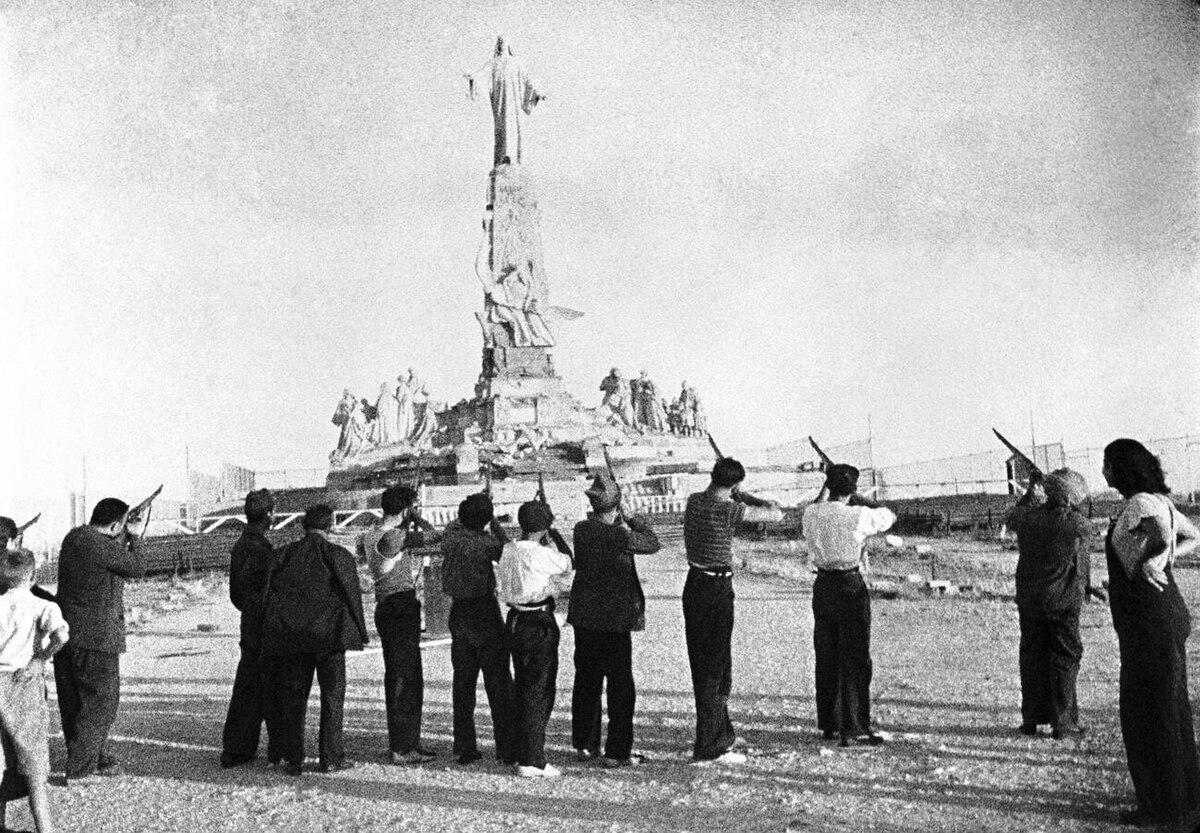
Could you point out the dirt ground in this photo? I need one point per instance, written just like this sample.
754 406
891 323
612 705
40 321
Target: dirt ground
946 691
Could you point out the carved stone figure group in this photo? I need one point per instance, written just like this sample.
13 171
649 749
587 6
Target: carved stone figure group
636 403
400 417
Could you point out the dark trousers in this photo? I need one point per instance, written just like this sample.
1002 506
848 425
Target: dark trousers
1049 660
243 721
477 643
398 620
600 656
533 638
1156 719
842 647
288 683
88 684
708 626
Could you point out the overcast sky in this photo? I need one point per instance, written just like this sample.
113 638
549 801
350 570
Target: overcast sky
945 215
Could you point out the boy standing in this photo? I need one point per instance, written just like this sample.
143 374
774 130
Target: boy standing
26 622
529 575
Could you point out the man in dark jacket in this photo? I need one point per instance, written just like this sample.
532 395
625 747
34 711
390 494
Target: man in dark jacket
470 548
249 561
312 615
93 564
1053 574
607 604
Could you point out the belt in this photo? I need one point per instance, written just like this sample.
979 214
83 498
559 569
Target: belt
837 572
715 572
545 604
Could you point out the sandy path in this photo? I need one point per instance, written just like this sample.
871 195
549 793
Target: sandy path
946 687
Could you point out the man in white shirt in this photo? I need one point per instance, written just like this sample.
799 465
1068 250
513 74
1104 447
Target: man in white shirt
528 577
836 527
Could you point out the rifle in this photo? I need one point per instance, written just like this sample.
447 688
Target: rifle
1019 454
826 460
487 477
21 529
715 448
608 464
541 490
135 514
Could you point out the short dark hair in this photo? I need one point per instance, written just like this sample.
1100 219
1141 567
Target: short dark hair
476 511
841 479
1134 469
728 472
16 566
259 505
107 511
396 499
8 528
319 517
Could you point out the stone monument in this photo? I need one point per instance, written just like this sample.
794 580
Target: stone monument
521 420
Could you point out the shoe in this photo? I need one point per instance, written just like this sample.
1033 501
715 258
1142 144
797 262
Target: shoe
229 760
1028 729
340 766
293 769
1059 734
548 771
869 739
586 754
416 755
731 757
468 758
619 763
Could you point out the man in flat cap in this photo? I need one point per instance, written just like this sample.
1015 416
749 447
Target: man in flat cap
530 574
1053 576
607 605
709 521
471 546
249 561
312 615
836 527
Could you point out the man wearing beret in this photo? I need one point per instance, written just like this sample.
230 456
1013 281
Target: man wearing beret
1053 576
530 574
471 546
709 522
607 604
836 527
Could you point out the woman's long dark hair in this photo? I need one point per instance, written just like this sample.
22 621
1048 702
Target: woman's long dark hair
1134 469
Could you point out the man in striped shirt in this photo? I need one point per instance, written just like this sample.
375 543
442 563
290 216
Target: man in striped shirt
708 524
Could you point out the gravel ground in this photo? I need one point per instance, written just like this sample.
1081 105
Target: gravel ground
946 690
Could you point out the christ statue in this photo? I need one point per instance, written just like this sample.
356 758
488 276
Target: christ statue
513 97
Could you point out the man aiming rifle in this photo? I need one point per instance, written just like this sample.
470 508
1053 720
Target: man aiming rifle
607 606
94 562
1053 579
836 527
709 522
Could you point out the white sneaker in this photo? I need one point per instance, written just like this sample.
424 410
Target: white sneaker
731 757
548 771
